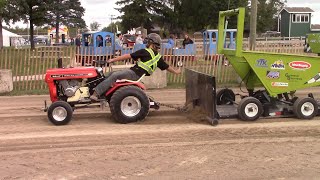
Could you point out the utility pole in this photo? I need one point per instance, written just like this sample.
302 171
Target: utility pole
253 24
111 18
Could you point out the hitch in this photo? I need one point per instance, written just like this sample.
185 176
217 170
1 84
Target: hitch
153 104
45 109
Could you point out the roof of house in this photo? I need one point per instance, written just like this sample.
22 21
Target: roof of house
315 26
298 10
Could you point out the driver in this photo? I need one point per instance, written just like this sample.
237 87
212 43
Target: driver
147 61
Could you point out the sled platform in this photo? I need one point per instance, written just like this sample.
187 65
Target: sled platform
227 111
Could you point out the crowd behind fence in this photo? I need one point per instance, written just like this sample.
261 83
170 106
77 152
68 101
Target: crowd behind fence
29 66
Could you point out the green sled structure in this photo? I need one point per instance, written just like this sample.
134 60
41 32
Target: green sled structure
271 81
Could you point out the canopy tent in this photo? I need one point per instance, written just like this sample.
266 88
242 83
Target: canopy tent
7 35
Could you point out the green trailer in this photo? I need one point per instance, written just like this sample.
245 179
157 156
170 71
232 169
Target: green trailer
312 43
271 79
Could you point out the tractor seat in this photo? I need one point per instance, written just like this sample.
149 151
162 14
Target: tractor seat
127 80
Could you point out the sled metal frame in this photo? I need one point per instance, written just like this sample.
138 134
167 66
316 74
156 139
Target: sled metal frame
253 67
201 92
292 71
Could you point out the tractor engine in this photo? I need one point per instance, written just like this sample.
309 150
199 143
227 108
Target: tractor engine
72 90
69 87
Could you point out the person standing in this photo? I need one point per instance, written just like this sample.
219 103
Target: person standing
139 39
118 40
78 43
171 41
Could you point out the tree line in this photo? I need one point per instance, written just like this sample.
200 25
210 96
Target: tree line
172 16
177 16
39 13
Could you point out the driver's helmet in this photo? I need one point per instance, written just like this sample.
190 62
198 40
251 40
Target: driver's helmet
154 39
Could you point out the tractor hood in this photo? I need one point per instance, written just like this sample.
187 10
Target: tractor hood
70 73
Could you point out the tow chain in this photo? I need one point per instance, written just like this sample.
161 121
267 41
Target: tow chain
171 106
183 109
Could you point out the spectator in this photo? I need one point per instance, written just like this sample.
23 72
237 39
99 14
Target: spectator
99 41
186 40
86 42
78 41
72 41
139 39
118 40
171 41
108 40
89 40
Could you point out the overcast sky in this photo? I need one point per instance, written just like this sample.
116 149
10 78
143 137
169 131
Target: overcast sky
102 10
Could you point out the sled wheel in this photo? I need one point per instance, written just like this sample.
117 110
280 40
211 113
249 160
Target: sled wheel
129 104
250 109
305 108
60 113
225 97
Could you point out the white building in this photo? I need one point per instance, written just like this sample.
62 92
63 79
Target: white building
9 38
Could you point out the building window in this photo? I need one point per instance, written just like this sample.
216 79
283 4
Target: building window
300 18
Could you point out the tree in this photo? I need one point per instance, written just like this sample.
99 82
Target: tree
190 15
175 15
267 11
32 11
139 13
7 14
112 27
94 26
67 12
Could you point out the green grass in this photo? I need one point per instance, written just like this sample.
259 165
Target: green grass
26 92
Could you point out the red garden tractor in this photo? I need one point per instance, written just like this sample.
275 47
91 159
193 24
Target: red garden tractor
70 88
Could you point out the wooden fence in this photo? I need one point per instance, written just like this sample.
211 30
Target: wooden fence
29 66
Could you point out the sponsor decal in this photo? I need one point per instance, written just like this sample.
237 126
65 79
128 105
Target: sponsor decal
293 77
273 74
67 75
300 65
314 79
278 65
261 63
279 84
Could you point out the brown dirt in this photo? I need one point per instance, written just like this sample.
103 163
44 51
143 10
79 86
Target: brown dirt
167 145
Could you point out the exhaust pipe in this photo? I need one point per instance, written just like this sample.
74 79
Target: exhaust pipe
60 63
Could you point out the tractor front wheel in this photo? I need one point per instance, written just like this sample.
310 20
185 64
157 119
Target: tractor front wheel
250 109
305 108
129 104
60 113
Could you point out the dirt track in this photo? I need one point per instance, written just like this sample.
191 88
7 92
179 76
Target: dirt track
167 145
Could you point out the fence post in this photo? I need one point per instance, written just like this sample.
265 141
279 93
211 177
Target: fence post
59 62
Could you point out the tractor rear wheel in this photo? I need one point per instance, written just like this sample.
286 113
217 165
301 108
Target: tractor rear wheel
305 108
129 104
60 113
250 109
